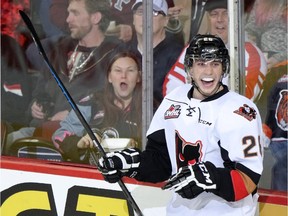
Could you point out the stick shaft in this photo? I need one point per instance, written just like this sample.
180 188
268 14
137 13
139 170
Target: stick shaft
97 144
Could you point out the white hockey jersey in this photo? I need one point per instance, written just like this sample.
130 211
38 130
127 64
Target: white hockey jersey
225 127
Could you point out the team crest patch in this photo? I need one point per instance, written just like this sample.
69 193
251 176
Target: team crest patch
247 112
187 153
173 112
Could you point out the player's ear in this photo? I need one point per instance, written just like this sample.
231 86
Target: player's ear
190 72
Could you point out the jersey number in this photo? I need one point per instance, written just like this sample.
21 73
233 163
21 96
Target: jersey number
250 143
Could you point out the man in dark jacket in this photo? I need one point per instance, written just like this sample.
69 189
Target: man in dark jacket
80 61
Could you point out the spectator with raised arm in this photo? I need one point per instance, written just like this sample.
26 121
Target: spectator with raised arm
122 20
267 26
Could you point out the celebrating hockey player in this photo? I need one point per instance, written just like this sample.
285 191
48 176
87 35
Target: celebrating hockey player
204 140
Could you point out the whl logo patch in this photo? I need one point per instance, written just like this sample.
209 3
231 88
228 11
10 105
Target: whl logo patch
173 112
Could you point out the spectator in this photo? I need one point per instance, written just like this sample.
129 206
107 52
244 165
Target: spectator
115 110
53 16
174 28
275 73
80 59
122 19
267 26
122 24
255 63
15 81
203 138
165 50
11 22
276 131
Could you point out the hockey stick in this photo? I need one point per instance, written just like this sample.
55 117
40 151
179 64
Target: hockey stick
96 143
197 13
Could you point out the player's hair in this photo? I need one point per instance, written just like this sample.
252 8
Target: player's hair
102 6
207 48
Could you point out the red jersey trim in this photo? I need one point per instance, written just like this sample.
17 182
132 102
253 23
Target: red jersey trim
239 186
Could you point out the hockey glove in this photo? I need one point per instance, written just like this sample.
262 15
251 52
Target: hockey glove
192 180
114 165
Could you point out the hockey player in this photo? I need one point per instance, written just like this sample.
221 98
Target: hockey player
203 138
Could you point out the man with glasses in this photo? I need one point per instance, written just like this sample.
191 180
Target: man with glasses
165 49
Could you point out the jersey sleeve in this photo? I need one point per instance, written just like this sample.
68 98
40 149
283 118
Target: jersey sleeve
240 132
155 163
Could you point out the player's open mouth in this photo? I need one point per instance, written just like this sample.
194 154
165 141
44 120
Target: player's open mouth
207 80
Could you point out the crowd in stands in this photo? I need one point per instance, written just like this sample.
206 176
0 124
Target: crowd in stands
96 48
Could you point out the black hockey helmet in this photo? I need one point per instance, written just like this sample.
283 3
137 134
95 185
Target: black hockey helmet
207 48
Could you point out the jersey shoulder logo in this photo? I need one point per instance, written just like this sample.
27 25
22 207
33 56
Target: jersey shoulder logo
247 112
188 153
281 110
174 111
